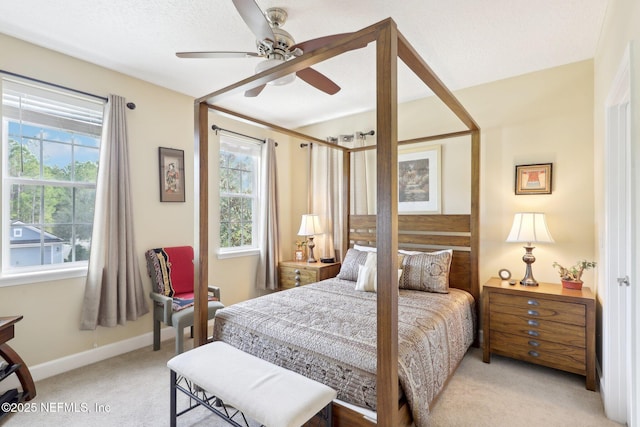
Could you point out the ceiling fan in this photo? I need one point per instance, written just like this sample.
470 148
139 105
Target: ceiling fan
275 45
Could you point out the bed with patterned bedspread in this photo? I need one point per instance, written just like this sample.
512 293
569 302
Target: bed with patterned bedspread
327 332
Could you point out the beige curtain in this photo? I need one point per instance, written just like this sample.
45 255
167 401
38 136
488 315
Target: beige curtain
326 198
113 292
269 241
360 180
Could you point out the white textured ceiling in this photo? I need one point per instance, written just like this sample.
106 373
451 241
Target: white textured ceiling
466 42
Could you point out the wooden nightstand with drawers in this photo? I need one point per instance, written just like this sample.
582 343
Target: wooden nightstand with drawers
295 273
546 324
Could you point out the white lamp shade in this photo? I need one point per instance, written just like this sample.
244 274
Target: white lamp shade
530 227
310 225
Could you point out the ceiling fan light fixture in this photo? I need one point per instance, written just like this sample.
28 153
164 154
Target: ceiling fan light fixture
270 63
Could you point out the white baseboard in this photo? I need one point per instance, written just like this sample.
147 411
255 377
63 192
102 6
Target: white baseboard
78 360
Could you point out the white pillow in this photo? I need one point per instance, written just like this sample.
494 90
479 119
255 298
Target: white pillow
372 249
366 279
367 274
364 248
405 252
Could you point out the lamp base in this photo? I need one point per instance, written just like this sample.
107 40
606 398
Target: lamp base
311 245
529 259
527 281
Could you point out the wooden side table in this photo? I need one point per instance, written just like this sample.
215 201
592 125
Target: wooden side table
299 273
545 324
15 365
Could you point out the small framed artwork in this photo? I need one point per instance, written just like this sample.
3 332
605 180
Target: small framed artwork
171 174
299 255
533 179
419 180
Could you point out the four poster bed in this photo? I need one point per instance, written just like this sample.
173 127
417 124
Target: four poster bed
392 350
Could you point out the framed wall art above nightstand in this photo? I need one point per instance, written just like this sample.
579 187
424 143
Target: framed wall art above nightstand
534 179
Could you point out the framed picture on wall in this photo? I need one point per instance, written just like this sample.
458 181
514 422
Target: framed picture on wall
534 179
419 180
171 174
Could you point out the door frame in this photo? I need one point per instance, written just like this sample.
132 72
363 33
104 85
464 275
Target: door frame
620 251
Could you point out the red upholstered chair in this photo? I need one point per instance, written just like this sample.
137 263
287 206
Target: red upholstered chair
172 276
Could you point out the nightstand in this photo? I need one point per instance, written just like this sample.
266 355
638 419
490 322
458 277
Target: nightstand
295 273
545 324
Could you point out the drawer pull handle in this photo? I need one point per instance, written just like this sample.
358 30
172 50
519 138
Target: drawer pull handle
296 271
533 333
534 353
533 322
533 302
533 313
533 343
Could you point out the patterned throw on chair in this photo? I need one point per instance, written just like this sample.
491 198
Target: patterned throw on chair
176 283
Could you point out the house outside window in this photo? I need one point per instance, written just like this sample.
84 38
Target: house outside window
239 196
50 155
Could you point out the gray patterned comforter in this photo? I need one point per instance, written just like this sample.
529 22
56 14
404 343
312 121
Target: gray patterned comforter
327 332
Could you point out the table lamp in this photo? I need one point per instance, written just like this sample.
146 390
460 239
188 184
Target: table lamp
309 227
529 228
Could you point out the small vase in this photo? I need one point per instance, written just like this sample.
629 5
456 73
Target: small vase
572 284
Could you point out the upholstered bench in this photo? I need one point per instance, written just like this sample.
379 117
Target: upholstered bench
264 392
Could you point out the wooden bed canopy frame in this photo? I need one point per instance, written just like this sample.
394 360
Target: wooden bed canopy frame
383 228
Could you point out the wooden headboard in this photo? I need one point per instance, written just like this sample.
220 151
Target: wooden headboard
428 233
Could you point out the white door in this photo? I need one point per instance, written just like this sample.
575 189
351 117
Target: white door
618 366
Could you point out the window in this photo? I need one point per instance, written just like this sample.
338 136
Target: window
50 154
239 198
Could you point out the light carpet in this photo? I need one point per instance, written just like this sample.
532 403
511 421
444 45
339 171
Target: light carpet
133 390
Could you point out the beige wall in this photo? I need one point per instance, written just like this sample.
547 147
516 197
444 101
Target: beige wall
51 310
540 117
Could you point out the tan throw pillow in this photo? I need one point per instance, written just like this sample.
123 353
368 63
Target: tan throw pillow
428 271
349 267
368 273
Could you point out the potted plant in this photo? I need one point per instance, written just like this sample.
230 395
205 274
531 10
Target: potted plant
572 277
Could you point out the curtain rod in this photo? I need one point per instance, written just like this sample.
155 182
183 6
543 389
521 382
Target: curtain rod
217 128
130 105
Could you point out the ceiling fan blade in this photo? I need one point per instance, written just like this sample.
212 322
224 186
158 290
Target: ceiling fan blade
318 80
255 19
251 93
313 44
216 54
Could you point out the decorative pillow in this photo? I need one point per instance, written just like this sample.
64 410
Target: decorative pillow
368 273
349 267
427 271
364 248
171 269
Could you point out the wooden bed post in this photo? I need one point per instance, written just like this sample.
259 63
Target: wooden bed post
475 221
201 238
346 202
387 224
